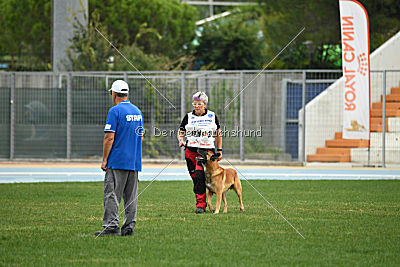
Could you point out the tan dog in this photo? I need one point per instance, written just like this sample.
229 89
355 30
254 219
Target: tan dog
219 181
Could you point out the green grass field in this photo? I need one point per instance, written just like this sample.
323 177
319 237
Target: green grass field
345 223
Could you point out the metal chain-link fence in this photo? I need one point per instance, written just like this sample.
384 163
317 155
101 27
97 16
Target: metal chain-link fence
62 115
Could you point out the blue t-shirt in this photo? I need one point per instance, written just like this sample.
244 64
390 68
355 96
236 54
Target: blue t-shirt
126 121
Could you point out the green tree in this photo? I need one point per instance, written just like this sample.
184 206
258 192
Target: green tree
137 58
89 50
285 18
158 27
143 61
384 19
25 33
233 42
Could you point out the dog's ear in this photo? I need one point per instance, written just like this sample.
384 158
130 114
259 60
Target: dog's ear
214 157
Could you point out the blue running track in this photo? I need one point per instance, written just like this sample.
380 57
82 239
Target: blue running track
47 172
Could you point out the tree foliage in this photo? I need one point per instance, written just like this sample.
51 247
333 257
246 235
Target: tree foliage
25 33
142 61
156 41
384 19
159 34
156 26
137 58
89 50
233 42
285 18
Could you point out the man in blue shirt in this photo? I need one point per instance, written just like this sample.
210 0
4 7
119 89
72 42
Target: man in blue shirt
122 159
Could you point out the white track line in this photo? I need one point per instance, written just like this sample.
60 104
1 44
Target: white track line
184 174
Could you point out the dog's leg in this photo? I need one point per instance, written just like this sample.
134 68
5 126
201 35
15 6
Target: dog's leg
240 200
238 189
210 195
218 205
225 203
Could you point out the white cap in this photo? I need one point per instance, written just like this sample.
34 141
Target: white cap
120 86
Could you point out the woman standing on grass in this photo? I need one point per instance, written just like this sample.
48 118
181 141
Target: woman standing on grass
198 126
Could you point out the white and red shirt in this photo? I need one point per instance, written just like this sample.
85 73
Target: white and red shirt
200 130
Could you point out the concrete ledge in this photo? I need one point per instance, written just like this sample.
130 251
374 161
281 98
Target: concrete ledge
161 161
394 125
392 141
329 164
360 156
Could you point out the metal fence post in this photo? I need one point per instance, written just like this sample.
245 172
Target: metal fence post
207 88
384 120
241 118
126 77
183 104
283 114
12 115
69 114
303 105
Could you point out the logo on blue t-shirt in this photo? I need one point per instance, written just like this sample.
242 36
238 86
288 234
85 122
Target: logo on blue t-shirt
134 117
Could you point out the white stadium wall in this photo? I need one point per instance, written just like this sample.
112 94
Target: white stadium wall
324 113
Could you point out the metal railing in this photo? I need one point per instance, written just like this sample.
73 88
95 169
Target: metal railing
61 115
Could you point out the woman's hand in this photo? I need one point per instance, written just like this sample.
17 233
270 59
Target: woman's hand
181 142
220 156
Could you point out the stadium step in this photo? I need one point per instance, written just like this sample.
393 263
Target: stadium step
390 105
337 150
376 113
347 143
394 95
395 90
328 158
341 150
338 135
333 150
376 125
392 98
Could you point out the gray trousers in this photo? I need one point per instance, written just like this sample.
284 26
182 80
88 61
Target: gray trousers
117 184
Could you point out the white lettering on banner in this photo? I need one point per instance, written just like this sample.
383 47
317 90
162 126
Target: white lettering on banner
356 66
349 89
134 117
349 93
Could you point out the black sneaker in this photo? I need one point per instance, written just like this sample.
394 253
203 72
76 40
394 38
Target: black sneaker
200 210
108 231
127 232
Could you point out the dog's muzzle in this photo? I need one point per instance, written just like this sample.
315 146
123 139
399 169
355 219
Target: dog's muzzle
203 156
